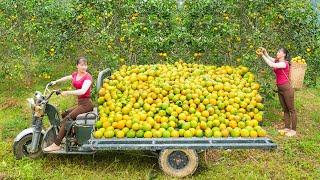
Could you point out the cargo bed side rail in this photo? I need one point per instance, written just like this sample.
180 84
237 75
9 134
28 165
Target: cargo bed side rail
179 143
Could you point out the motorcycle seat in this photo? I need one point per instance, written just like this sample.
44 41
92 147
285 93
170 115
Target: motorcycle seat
88 118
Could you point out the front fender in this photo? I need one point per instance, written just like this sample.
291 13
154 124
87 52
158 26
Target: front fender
25 132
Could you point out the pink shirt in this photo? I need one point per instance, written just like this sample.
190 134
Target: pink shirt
78 84
282 74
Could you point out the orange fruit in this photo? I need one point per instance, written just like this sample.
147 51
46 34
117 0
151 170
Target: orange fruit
233 124
121 125
120 134
253 134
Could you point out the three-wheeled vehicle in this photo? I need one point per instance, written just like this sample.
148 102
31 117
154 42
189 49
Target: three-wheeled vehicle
177 156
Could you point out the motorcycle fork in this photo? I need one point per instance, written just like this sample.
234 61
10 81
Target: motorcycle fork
36 136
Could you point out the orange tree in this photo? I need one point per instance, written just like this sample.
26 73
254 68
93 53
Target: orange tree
38 37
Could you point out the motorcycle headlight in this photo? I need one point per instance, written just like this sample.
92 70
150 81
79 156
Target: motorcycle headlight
31 103
38 98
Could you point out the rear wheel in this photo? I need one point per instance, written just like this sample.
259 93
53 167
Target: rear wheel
22 147
178 162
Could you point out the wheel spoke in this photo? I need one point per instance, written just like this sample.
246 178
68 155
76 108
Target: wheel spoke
26 147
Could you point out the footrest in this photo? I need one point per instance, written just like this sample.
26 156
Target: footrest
63 151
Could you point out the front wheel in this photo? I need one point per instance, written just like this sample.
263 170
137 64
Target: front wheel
178 162
22 147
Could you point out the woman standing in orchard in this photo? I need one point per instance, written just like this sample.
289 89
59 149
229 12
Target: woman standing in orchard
81 81
280 65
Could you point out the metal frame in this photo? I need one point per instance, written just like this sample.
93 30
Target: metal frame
178 143
171 143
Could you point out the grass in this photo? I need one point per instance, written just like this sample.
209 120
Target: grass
295 158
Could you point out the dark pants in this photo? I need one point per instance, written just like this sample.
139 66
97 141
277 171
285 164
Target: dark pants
286 97
84 105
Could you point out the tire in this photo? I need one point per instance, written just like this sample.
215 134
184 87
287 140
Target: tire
20 148
178 162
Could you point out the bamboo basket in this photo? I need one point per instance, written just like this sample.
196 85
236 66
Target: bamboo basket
296 76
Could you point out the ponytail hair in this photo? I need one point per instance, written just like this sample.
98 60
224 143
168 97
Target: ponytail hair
287 57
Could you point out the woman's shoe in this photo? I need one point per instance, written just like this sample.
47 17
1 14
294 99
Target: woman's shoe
291 133
283 131
52 147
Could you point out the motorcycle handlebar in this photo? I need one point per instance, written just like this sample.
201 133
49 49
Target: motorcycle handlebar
57 92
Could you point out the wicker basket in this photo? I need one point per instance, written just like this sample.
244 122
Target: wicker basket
297 72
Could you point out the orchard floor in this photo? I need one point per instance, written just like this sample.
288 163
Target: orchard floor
295 158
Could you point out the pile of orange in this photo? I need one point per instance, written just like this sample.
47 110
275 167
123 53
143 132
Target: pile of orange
180 100
298 60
